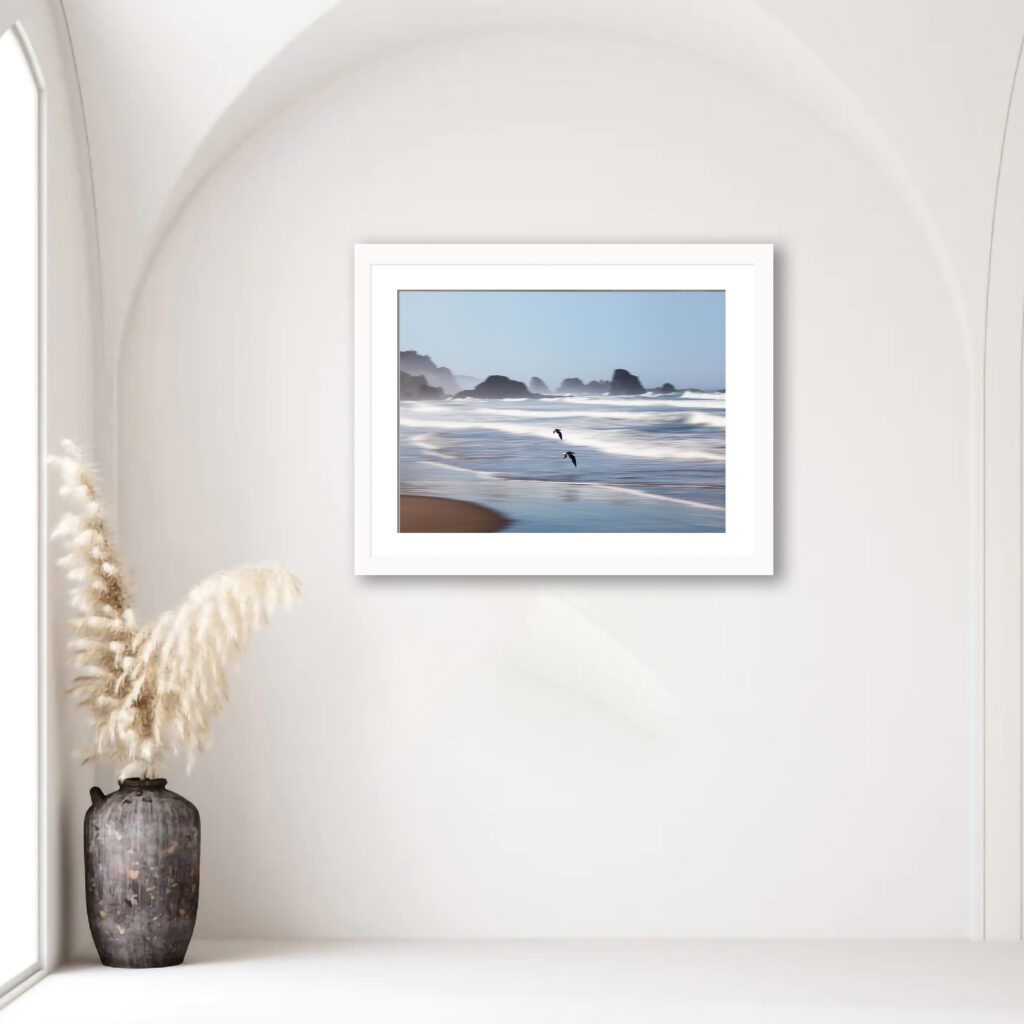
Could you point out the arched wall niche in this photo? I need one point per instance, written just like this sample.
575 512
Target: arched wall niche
781 752
21 742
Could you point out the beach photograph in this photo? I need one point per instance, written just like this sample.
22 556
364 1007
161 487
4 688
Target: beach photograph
561 411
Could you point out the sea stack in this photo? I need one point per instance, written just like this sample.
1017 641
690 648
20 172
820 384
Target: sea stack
413 363
497 386
416 389
575 386
625 383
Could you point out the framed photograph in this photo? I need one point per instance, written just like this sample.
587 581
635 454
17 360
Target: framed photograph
563 409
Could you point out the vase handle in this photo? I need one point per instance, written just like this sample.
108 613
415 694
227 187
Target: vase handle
97 796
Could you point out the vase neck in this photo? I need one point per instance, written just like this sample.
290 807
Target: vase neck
142 784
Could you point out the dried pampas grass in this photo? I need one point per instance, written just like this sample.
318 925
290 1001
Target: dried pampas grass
151 689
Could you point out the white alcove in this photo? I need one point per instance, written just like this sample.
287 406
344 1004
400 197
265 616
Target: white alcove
833 753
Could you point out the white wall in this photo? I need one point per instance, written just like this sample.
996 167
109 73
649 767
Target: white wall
789 756
143 128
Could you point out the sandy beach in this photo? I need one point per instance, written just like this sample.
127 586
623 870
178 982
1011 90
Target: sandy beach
445 515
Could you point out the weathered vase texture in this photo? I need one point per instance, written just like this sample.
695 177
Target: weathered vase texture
141 874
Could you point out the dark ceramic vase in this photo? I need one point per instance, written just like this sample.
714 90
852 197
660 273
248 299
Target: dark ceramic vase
141 873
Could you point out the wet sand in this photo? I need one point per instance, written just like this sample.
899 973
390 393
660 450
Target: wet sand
443 515
571 506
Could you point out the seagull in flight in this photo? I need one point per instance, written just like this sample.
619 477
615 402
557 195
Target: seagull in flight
558 432
571 456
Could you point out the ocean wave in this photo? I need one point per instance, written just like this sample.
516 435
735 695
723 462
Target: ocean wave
693 417
704 419
426 442
630 444
684 401
581 483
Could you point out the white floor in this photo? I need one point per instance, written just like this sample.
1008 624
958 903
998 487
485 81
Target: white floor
556 982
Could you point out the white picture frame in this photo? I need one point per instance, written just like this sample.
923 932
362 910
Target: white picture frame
742 271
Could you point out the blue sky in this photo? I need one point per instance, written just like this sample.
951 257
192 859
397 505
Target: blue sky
674 337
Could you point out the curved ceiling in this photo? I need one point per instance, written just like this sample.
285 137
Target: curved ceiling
169 90
154 79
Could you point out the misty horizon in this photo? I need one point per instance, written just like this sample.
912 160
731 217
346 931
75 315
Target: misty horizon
675 337
553 384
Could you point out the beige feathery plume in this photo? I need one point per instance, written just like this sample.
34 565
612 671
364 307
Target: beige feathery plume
151 689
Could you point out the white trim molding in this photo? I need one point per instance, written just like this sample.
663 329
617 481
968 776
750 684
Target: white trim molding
11 987
69 329
1003 549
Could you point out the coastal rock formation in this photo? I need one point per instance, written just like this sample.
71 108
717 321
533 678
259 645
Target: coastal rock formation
416 389
624 383
415 364
575 386
497 386
539 387
665 389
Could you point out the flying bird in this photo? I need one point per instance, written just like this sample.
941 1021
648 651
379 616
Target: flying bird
558 432
571 456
